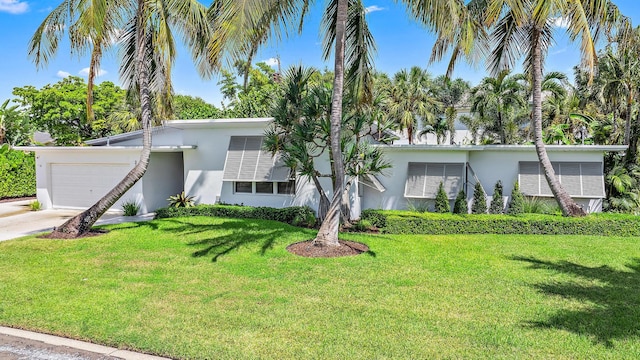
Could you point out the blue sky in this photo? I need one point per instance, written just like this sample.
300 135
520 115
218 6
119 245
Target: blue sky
401 44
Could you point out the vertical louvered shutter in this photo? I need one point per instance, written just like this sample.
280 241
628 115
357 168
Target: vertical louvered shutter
247 161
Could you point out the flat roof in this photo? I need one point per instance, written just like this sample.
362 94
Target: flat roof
553 148
164 148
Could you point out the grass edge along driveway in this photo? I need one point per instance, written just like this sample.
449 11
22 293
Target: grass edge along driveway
199 288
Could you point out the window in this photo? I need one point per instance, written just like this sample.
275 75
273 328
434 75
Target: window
582 179
244 187
264 188
423 179
286 187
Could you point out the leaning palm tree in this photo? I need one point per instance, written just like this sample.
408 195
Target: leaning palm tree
526 28
147 52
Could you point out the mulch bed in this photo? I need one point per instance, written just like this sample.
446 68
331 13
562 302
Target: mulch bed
346 248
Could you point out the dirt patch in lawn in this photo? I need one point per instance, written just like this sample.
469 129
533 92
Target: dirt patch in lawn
346 248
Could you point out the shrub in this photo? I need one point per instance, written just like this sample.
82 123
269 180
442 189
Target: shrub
442 201
460 206
130 208
516 205
294 215
497 203
181 200
418 205
376 217
479 205
406 222
18 171
35 205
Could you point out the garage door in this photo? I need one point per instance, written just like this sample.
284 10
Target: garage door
81 185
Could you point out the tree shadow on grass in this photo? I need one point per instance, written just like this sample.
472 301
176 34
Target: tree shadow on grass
610 299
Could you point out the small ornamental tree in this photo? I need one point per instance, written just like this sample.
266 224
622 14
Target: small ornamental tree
442 201
460 205
516 205
497 203
479 200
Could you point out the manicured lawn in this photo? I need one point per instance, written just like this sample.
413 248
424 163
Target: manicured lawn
219 288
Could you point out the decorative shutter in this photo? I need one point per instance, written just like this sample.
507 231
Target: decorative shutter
592 179
453 177
414 187
529 178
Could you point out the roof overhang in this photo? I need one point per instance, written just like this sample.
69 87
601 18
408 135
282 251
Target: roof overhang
179 148
509 148
218 123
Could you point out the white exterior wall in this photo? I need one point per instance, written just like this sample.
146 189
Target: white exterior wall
502 164
394 179
204 168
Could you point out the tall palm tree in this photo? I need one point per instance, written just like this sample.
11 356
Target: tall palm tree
147 54
526 28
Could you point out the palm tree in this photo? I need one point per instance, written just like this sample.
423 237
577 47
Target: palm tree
148 51
450 93
498 97
526 27
411 99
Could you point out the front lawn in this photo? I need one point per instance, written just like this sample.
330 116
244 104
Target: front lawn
203 288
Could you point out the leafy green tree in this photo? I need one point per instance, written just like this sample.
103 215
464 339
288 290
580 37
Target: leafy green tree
450 93
479 205
442 200
460 206
60 109
15 127
497 203
189 107
516 204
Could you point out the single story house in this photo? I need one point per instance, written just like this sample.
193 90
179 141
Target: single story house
222 160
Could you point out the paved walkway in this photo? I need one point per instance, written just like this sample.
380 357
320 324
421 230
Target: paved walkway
17 219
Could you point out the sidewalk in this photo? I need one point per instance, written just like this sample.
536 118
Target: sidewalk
21 344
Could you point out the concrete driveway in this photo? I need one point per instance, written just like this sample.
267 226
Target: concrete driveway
17 219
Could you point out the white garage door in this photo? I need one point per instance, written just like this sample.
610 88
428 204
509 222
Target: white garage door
81 185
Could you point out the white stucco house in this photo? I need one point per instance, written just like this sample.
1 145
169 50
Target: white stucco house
221 161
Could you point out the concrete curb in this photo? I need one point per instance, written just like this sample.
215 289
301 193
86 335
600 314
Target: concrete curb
77 344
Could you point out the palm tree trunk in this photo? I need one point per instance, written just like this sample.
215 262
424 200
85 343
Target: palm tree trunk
568 206
323 205
96 54
627 126
328 233
81 223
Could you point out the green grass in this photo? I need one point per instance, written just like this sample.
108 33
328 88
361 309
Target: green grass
203 288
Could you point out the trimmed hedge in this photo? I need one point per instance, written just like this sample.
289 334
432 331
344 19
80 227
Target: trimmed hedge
18 173
406 222
295 215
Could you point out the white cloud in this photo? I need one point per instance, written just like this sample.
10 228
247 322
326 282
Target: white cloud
13 6
559 51
561 22
271 61
62 74
372 8
85 72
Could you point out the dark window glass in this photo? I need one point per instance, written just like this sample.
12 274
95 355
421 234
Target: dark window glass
244 187
287 187
264 188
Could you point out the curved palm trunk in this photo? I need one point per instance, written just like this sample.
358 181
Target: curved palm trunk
568 206
328 233
323 205
81 223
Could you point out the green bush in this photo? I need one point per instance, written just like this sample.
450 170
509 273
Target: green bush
497 203
18 171
460 206
130 208
377 218
406 222
442 201
295 215
479 205
516 205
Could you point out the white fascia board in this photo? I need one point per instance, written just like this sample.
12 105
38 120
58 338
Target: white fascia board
103 148
223 123
523 148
